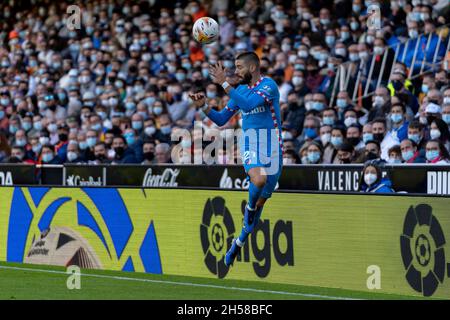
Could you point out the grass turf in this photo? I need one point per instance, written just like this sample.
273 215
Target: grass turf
19 283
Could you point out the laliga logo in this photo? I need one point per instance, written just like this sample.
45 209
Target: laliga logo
217 231
373 17
422 247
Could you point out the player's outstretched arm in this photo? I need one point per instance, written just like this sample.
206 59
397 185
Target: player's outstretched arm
219 118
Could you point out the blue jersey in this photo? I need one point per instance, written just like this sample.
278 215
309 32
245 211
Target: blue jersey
259 106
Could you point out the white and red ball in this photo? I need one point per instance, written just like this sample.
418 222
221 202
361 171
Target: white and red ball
205 30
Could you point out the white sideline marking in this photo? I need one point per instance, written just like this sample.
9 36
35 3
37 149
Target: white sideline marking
309 295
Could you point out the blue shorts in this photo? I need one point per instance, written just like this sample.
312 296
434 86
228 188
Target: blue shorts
262 150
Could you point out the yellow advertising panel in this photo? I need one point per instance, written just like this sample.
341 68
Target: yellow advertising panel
389 244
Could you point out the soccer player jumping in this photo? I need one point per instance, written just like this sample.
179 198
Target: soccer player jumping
257 97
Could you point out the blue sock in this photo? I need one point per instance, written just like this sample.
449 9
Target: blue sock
244 234
242 237
253 195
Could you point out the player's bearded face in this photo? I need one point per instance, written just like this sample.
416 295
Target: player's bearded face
246 78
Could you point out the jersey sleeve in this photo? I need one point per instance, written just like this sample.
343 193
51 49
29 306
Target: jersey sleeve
222 117
248 99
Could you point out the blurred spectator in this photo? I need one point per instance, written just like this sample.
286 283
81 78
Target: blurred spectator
436 153
372 180
410 152
123 153
48 155
395 155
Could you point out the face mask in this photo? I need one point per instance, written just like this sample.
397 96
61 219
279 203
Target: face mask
446 100
136 125
432 154
113 102
157 110
165 130
286 135
353 141
423 120
13 129
370 178
84 79
36 148
119 151
149 131
337 141
378 50
288 161
325 138
21 142
424 88
318 106
356 8
96 127
394 160
324 21
310 133
52 127
26 126
4 102
303 54
180 77
83 145
297 81
71 156
407 155
47 157
341 52
446 118
44 140
91 141
378 136
378 101
396 118
313 157
285 47
329 121
210 94
367 137
130 106
102 115
413 33
354 57
349 121
363 55
149 101
330 40
435 134
354 25
370 39
63 137
2 114
341 103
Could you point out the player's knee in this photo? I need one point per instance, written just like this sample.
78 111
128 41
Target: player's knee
259 181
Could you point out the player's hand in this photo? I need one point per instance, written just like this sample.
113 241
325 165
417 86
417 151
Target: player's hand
233 80
217 73
198 98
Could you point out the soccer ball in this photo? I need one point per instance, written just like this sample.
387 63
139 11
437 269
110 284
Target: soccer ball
205 30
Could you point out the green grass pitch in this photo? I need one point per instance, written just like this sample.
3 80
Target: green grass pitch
22 281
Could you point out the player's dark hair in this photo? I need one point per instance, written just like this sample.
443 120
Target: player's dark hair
249 57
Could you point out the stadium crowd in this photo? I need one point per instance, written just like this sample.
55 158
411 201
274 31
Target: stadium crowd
114 90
